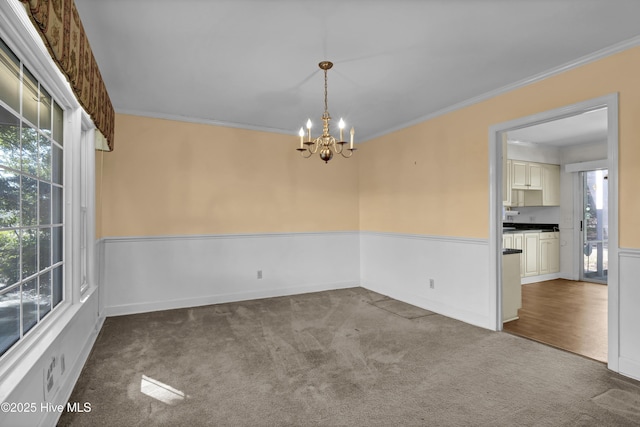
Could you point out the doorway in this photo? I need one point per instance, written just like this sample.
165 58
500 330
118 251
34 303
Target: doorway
497 171
594 226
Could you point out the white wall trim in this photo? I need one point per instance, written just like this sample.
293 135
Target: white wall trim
600 54
613 309
19 360
70 329
64 393
595 56
495 206
452 239
541 278
111 239
443 309
52 341
629 261
127 309
159 273
212 122
629 252
630 368
401 266
586 166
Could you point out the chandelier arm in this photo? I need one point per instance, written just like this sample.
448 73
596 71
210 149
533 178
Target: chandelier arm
313 148
338 147
350 151
307 155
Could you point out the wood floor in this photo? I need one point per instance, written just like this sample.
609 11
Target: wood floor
565 314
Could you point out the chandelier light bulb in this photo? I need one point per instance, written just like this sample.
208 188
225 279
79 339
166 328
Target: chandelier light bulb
341 126
308 123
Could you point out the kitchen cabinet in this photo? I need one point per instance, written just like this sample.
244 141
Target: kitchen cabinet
549 257
531 254
531 184
526 175
540 251
550 185
507 241
526 198
506 173
506 184
515 241
511 287
518 243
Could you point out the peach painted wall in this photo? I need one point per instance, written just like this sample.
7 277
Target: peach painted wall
433 178
177 178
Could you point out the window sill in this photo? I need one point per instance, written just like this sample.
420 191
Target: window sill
20 360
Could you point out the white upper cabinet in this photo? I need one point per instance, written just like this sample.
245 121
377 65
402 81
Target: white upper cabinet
550 185
526 175
506 185
531 184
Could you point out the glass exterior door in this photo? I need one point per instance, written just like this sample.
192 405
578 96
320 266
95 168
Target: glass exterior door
595 226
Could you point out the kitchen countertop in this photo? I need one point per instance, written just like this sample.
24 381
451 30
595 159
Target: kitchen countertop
511 251
535 230
512 227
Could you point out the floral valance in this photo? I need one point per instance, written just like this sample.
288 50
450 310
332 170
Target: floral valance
59 24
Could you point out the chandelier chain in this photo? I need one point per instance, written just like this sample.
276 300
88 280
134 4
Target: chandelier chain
326 108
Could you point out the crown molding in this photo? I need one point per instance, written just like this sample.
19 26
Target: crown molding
179 118
592 57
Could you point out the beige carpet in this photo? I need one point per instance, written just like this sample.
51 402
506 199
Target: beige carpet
340 358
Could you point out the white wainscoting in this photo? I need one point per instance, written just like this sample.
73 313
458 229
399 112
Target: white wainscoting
142 274
400 266
72 338
629 312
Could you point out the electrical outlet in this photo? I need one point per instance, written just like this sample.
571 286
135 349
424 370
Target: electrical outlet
259 274
51 378
432 284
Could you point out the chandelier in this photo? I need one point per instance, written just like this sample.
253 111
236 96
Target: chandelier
325 143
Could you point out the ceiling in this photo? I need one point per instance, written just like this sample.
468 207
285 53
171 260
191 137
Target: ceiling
253 63
588 127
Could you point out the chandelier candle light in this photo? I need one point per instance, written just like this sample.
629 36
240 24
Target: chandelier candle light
326 143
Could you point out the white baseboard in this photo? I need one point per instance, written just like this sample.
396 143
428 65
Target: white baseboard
401 266
540 278
143 274
223 298
629 367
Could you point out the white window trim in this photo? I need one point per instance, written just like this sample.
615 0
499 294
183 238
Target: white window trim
87 223
18 33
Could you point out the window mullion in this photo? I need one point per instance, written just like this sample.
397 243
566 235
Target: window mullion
33 284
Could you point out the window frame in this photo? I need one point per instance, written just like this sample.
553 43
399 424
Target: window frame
26 126
18 33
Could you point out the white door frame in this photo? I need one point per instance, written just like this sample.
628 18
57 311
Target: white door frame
495 207
579 202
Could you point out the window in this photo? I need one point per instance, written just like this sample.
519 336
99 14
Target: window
31 201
